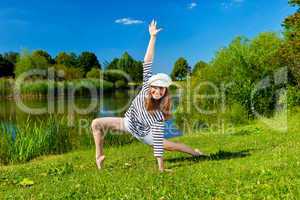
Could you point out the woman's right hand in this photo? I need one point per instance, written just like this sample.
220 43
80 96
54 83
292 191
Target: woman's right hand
153 29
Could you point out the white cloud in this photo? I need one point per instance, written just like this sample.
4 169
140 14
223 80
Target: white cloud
128 21
192 5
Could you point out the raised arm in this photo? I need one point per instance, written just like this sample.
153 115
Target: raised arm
148 59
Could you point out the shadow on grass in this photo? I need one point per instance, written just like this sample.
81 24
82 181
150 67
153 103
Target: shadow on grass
220 155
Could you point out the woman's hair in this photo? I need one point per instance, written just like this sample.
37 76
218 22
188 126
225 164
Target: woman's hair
164 104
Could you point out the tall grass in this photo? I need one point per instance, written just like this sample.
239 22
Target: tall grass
52 136
83 86
35 88
6 144
42 87
33 139
6 86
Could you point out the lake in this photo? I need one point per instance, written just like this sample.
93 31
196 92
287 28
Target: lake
79 111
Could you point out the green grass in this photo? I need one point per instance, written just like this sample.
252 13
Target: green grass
250 162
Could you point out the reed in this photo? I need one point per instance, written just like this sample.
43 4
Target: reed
6 86
44 87
31 139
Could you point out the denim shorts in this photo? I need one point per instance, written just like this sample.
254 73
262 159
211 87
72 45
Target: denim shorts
148 139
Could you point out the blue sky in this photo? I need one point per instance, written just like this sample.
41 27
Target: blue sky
194 29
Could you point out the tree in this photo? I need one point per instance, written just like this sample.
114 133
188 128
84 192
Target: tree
6 67
67 59
290 50
132 67
180 69
198 66
12 57
294 3
137 71
113 64
69 73
88 60
128 65
28 61
44 54
7 63
125 62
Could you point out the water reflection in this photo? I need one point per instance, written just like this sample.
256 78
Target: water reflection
110 104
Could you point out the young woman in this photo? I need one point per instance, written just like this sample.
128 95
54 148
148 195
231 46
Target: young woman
146 115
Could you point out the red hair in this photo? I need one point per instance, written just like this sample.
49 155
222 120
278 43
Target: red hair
164 104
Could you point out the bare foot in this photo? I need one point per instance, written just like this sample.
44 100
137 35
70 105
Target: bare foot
99 161
168 170
198 153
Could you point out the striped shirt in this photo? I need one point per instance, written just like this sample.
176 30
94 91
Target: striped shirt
141 122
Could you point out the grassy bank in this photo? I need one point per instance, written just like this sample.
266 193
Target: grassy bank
42 87
254 161
29 140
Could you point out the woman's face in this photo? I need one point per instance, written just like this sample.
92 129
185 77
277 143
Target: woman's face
157 92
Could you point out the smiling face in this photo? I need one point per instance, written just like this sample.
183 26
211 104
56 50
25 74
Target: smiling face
157 92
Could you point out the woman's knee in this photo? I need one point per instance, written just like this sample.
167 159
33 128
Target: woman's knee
170 146
97 124
104 123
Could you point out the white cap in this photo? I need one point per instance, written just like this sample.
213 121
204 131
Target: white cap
160 79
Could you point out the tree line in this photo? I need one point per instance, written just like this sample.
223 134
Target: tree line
84 65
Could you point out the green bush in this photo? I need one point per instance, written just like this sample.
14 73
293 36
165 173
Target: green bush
113 76
235 114
68 73
97 83
232 77
120 84
94 73
293 96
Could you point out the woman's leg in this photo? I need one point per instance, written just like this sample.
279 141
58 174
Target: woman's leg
100 126
175 146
